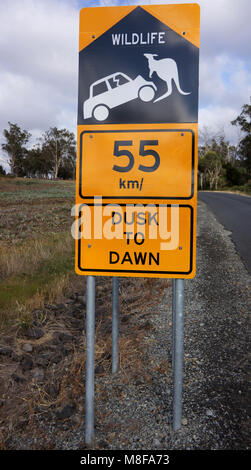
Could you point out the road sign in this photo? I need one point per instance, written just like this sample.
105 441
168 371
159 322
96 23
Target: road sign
137 137
131 166
132 244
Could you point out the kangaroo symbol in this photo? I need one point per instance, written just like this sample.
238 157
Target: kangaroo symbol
167 70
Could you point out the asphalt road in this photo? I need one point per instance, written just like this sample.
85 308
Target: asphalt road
234 213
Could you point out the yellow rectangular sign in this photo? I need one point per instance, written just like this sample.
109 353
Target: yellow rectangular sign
137 163
136 240
137 141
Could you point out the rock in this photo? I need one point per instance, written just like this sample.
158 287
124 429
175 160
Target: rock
49 306
82 300
56 358
17 378
106 355
78 324
78 314
145 326
101 288
43 360
66 349
184 422
38 374
34 332
65 337
140 381
27 347
66 411
26 363
210 413
60 306
156 443
102 444
125 318
78 305
52 390
61 337
99 369
5 351
101 310
9 340
14 357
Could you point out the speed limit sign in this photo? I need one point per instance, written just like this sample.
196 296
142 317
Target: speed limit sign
137 141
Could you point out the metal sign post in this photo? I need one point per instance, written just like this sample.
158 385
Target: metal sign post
178 334
90 359
173 319
115 324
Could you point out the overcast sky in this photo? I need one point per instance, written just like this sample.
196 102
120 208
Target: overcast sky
39 62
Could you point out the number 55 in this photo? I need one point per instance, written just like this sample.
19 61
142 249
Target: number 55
142 151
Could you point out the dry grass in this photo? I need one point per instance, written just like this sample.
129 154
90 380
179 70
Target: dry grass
26 257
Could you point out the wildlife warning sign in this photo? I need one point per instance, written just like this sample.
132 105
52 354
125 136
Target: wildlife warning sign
137 139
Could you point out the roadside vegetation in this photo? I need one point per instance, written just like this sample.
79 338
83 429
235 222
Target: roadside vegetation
36 247
224 167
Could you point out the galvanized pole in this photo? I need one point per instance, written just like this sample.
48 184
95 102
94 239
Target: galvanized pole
90 352
173 320
115 324
178 353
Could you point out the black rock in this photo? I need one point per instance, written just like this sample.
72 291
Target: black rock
61 337
78 324
65 337
99 369
26 363
52 390
56 358
61 306
82 299
17 378
125 318
34 332
5 351
66 412
102 444
43 360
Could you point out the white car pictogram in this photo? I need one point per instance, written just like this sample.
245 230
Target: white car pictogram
114 90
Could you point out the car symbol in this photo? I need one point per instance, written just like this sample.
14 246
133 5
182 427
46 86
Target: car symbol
114 90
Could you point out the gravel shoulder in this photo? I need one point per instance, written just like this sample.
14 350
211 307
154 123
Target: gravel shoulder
133 408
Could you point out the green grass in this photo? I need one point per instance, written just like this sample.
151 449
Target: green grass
28 196
19 189
33 288
245 189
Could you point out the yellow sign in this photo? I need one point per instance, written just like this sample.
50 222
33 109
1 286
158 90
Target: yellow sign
137 163
137 141
136 240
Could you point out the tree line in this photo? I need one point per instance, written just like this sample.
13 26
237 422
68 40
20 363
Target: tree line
54 155
220 164
224 165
